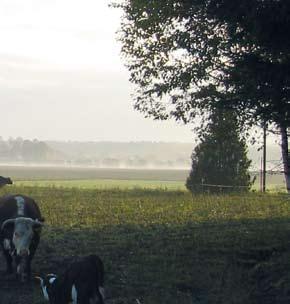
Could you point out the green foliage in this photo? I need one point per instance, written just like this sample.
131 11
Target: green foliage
220 158
185 56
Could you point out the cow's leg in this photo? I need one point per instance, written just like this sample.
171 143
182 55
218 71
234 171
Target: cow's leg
8 259
82 296
28 266
17 261
23 268
100 295
84 300
34 245
32 249
96 299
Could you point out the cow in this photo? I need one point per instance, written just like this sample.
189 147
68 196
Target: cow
20 222
81 283
5 181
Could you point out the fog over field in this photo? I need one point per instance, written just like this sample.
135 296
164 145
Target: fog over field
106 154
66 75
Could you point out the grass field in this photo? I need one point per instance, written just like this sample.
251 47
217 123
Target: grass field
165 246
32 173
105 184
96 178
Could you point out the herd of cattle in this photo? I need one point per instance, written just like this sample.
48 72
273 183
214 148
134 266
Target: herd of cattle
21 223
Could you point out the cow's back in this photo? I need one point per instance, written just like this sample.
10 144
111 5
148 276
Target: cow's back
10 209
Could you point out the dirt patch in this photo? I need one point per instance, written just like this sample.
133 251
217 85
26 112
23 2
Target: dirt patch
11 290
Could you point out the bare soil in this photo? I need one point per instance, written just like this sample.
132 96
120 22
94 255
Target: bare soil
11 290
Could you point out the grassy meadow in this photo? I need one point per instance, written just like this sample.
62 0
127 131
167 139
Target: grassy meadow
106 184
36 173
166 246
102 178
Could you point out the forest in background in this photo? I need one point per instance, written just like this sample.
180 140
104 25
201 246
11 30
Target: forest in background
96 154
112 154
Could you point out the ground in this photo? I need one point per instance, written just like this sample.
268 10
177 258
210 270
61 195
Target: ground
163 246
11 292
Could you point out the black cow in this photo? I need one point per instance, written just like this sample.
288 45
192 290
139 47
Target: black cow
5 181
20 222
81 283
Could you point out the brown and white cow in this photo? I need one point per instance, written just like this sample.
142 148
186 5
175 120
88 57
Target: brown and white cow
20 222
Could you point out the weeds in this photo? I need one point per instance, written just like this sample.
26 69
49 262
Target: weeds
169 247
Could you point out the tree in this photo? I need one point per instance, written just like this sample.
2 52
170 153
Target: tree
220 158
189 56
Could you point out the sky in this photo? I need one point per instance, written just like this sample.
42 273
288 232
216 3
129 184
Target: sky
62 77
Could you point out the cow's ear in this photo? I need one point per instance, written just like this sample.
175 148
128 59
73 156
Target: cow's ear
37 225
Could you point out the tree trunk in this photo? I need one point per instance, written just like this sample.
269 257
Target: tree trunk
285 156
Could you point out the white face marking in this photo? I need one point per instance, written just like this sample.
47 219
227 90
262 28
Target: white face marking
102 292
74 295
6 244
23 234
20 205
44 291
44 288
45 294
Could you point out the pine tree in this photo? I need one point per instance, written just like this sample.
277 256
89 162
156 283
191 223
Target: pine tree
221 157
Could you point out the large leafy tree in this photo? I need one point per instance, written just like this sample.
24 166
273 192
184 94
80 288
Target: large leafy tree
189 56
219 162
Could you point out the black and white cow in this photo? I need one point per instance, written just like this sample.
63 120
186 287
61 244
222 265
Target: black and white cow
20 222
81 283
5 181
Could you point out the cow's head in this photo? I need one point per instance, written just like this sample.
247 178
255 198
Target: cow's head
48 286
9 181
23 230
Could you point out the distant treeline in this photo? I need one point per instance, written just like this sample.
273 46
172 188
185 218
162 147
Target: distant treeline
23 150
97 154
112 154
125 154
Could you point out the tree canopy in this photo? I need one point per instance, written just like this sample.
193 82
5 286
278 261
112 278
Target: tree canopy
186 55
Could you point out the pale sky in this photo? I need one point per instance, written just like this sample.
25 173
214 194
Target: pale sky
62 78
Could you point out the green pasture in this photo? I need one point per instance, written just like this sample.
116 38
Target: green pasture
98 178
167 246
32 173
130 184
105 184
